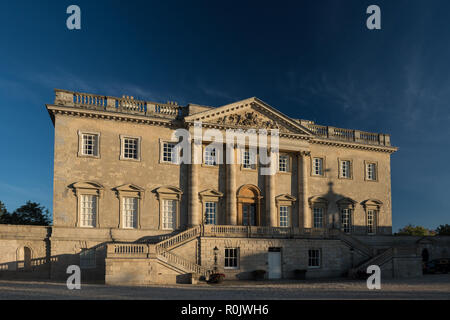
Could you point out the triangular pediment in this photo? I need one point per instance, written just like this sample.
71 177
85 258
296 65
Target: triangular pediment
285 197
87 185
249 114
168 190
129 187
210 193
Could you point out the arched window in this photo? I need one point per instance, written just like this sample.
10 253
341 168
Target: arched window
24 256
249 205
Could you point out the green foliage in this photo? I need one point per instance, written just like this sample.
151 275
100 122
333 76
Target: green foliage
2 209
31 213
411 230
443 230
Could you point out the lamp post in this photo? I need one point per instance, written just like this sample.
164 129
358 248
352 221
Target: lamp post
216 250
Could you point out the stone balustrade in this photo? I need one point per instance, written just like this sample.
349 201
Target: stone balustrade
348 134
128 250
261 232
123 105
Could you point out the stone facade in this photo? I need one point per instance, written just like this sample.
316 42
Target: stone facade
128 213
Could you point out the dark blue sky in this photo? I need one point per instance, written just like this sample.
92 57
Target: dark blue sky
310 59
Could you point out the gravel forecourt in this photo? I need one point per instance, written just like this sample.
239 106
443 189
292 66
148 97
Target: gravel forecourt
426 287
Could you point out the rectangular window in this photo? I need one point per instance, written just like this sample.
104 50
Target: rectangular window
231 258
169 214
345 167
211 212
130 208
210 156
88 210
169 154
130 148
283 163
371 221
317 167
248 159
346 222
87 259
284 216
371 171
89 144
318 217
314 258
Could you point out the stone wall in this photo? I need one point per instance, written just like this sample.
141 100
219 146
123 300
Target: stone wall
336 257
129 271
24 251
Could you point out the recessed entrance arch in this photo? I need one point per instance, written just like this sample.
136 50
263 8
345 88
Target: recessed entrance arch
249 205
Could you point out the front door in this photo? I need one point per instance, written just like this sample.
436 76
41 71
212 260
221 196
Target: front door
248 214
274 257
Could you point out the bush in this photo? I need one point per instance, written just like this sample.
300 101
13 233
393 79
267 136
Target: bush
259 274
216 278
300 274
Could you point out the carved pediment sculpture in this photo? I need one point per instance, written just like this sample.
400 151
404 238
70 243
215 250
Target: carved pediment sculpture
249 119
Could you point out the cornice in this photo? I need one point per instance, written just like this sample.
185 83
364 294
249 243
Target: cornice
115 116
354 145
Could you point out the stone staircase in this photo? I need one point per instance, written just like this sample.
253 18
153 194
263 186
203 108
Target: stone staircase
179 239
164 254
352 242
377 260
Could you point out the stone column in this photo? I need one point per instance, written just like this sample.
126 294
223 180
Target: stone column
194 215
304 219
231 189
271 208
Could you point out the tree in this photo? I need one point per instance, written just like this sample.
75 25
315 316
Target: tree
443 230
31 213
411 230
2 209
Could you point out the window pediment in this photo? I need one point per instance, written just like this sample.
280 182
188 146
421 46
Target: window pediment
168 192
346 203
372 203
285 198
129 190
87 187
317 200
210 194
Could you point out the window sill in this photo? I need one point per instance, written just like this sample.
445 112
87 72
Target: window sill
129 159
169 163
88 156
248 169
212 166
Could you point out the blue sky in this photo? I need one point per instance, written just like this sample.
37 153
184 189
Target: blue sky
310 59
